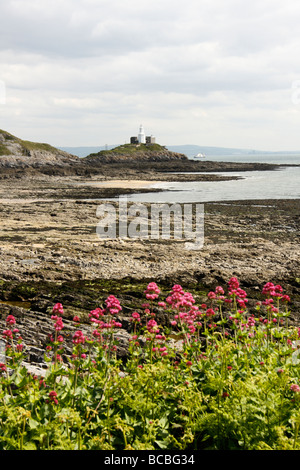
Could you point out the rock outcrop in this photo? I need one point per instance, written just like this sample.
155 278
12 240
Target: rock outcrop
17 153
134 152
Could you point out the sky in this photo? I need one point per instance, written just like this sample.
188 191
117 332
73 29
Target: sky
201 72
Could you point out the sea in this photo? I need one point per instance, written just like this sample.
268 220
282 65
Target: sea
282 183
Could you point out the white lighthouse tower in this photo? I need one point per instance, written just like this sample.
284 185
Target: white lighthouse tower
141 135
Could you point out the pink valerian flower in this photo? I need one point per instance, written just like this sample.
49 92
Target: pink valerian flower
58 325
2 367
233 283
295 388
152 326
58 358
152 292
58 309
267 302
251 321
76 319
11 320
95 314
112 305
135 317
7 334
210 312
177 288
270 289
109 325
219 290
96 334
78 337
53 397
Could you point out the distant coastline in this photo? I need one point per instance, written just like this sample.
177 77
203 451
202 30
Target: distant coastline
189 150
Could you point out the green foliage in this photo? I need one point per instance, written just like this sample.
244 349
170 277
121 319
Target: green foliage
221 378
4 150
25 144
130 150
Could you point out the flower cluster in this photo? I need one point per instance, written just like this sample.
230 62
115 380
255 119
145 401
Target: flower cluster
152 292
78 337
113 306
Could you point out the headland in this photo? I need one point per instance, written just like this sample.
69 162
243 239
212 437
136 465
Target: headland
50 251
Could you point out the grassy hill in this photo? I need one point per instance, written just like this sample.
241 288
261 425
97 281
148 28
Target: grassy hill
12 145
149 152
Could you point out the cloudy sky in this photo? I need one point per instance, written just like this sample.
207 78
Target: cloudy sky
206 72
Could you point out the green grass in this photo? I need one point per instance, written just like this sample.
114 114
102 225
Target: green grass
130 149
26 145
4 150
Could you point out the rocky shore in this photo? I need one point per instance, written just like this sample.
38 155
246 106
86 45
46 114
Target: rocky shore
50 251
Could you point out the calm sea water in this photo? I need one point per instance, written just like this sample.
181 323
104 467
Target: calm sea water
277 184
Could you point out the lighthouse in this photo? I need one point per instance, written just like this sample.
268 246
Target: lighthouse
141 135
142 138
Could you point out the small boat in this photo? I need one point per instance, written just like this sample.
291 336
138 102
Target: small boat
199 155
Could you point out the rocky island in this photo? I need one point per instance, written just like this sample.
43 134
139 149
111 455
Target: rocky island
50 251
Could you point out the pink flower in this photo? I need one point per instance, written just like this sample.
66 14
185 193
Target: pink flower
152 326
7 334
53 397
152 291
78 337
10 320
95 314
178 288
210 312
59 324
211 295
295 388
113 305
136 317
233 283
58 308
2 367
219 290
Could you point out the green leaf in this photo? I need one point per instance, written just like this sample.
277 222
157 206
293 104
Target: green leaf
29 446
33 423
162 444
